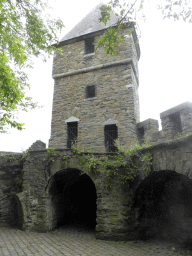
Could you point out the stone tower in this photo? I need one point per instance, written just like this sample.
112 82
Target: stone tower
95 96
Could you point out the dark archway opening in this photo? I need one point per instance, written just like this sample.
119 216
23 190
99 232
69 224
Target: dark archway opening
163 207
73 199
15 217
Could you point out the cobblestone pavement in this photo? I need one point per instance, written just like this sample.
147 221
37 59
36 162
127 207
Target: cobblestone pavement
75 242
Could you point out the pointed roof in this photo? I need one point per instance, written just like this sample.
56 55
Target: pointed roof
90 26
90 23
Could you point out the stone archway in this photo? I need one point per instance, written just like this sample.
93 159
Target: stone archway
17 212
71 199
11 212
163 206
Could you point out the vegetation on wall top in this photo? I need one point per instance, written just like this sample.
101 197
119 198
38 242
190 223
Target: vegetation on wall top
123 163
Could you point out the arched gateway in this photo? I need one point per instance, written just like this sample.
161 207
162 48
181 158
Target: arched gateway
162 203
71 199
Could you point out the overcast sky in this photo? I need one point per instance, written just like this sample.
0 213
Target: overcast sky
165 72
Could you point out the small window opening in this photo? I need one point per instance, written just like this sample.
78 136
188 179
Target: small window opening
176 122
72 128
89 46
141 131
90 91
111 134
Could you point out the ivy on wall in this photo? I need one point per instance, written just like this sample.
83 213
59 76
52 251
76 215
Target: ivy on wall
123 163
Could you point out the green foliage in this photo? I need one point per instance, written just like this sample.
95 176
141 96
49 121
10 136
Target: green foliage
86 158
182 136
24 154
176 10
10 157
130 12
105 13
123 163
51 150
25 31
110 40
65 159
125 12
13 157
18 183
52 155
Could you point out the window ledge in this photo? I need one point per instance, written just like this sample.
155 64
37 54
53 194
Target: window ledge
93 98
89 55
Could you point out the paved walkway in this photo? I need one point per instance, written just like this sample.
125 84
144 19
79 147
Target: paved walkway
77 242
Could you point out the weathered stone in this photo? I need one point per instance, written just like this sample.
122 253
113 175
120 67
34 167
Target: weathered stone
38 145
176 123
165 209
73 73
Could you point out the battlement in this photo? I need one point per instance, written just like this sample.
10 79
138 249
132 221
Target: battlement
176 122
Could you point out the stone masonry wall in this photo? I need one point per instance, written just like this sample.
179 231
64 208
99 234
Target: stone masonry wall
114 216
74 57
176 123
113 204
173 155
32 197
114 103
38 213
116 100
11 167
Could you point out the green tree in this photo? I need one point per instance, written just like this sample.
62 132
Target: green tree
129 12
26 30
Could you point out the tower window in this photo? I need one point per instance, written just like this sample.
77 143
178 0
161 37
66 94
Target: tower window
90 91
72 128
111 134
89 46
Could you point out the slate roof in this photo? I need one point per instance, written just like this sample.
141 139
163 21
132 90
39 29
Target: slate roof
90 24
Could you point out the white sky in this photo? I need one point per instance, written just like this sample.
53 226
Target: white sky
165 72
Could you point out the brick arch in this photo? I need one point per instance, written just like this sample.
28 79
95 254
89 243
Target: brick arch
71 199
163 206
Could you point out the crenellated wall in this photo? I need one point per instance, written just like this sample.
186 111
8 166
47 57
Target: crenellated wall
176 123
